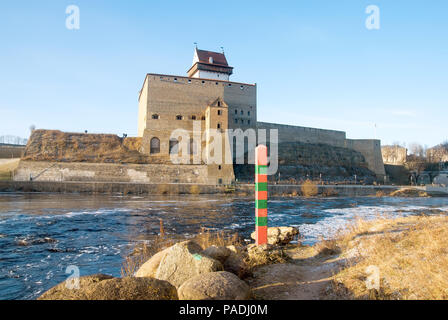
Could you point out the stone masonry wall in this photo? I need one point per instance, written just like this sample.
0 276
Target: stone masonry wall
105 172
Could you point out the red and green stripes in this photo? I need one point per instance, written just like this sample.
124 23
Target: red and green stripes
261 195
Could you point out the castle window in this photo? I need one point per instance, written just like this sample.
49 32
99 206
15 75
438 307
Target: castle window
219 181
219 126
242 112
174 146
236 111
219 167
219 111
154 146
203 118
248 113
193 117
219 103
248 121
155 116
179 117
236 120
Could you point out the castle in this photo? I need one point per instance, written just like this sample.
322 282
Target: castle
205 105
206 94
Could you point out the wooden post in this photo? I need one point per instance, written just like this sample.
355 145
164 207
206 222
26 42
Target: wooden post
261 195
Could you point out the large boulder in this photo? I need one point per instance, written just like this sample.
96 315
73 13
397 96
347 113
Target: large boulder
103 287
280 235
214 286
235 263
217 253
183 261
149 268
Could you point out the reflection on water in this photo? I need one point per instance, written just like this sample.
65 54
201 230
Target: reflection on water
42 234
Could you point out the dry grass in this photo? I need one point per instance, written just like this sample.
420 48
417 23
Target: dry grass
207 238
7 166
410 253
409 192
53 145
309 189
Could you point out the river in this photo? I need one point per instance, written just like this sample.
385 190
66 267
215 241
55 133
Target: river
42 234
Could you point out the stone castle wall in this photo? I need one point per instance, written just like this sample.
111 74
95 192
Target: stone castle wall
11 151
370 149
105 172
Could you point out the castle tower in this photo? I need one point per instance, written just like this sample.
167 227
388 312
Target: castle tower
210 65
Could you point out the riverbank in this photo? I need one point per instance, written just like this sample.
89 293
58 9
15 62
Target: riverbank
183 188
383 259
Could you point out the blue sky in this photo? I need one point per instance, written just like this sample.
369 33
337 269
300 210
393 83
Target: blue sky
315 62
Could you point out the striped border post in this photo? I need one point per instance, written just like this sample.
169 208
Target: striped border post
261 195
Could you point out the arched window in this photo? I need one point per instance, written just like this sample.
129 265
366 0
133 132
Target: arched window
174 146
155 116
155 146
178 117
193 117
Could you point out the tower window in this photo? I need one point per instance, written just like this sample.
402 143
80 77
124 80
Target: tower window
236 111
219 104
248 113
174 146
203 118
193 117
155 116
179 117
219 111
248 121
236 120
219 126
242 112
154 145
219 181
219 167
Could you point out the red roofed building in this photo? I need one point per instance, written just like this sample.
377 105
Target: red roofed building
210 65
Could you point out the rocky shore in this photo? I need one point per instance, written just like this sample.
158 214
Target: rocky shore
401 258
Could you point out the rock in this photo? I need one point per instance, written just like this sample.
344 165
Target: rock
214 286
265 254
149 268
183 261
103 287
235 264
280 235
217 253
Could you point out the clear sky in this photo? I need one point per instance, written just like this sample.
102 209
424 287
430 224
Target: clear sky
315 62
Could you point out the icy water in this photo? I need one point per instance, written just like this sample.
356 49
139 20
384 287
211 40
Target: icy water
42 234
